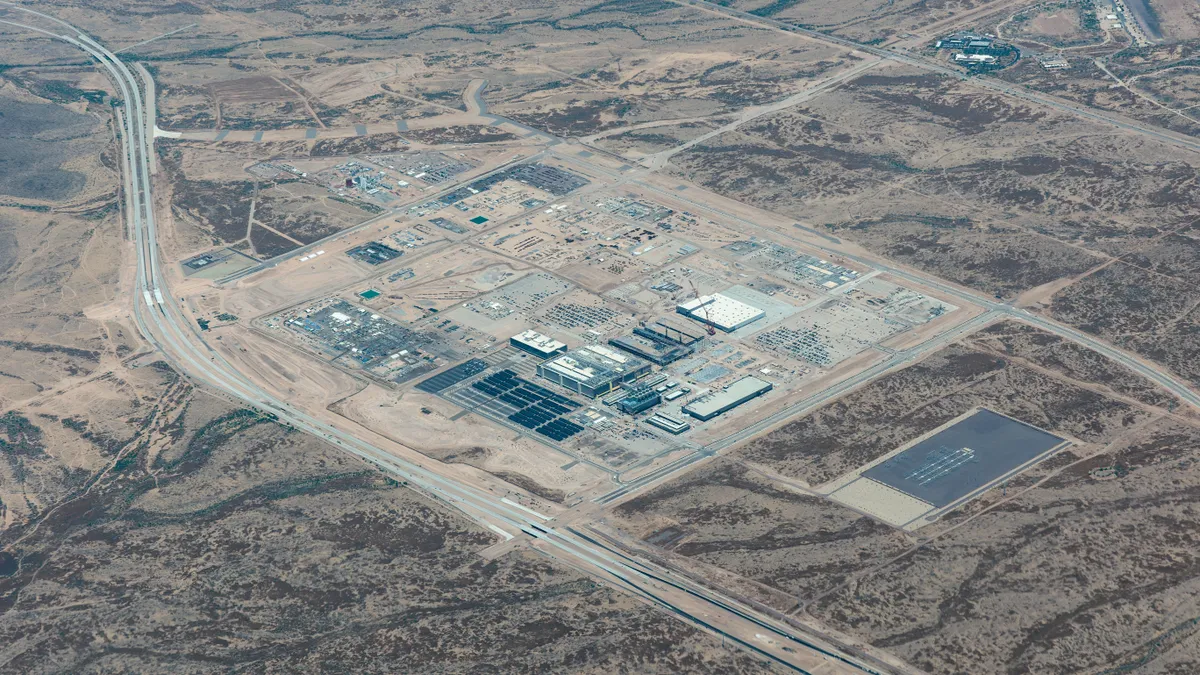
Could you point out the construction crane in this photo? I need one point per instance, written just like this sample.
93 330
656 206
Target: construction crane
707 326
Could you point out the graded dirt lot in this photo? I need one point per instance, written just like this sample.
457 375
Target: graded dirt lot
437 429
1061 24
1178 20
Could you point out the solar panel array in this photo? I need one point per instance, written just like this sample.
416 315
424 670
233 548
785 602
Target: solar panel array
538 408
453 376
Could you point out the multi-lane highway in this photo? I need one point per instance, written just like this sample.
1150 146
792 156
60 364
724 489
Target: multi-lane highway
165 326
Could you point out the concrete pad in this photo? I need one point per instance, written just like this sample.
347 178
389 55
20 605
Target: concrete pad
885 503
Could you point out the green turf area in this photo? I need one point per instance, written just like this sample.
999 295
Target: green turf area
479 220
369 294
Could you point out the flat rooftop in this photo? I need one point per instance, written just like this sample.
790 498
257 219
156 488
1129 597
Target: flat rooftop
963 458
721 311
541 343
594 364
735 394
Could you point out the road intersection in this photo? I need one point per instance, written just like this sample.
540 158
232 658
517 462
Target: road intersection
165 326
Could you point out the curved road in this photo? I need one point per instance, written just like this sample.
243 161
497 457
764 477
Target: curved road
165 326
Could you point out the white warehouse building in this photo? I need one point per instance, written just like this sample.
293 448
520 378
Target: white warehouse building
720 311
537 344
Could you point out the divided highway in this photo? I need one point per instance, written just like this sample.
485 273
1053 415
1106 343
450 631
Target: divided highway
165 326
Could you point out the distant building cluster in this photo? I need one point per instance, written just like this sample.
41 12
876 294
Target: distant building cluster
1054 62
975 49
970 43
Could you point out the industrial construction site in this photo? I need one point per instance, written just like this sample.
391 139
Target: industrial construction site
638 337
597 326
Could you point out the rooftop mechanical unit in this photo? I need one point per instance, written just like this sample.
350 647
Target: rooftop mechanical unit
594 370
537 344
639 399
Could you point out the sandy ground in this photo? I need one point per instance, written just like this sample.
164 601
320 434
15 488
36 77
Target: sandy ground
292 375
442 433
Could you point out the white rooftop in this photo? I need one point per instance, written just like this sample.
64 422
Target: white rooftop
721 311
539 342
593 362
735 394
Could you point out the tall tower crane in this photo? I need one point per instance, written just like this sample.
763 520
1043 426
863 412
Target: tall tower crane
708 326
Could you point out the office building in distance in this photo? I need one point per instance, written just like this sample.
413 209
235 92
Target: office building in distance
710 405
720 311
537 344
594 370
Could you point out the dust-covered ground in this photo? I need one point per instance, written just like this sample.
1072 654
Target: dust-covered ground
572 68
1084 563
220 540
149 527
1153 314
1009 368
994 193
36 140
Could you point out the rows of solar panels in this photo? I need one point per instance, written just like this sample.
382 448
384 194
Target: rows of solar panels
453 376
538 408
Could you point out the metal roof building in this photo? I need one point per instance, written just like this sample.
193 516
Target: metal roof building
650 346
667 423
720 311
710 405
537 344
594 370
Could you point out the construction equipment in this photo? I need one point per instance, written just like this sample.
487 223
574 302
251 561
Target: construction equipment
708 326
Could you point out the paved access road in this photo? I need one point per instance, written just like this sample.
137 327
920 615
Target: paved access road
166 327
1016 90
